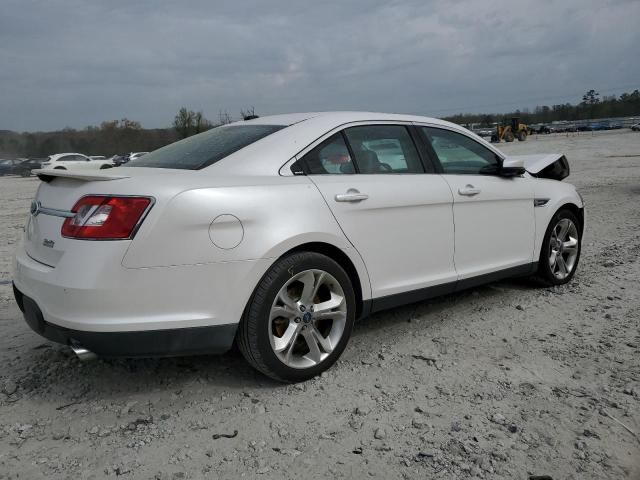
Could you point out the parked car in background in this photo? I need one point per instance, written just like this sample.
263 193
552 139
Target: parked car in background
134 155
120 159
75 161
31 164
277 233
636 127
13 167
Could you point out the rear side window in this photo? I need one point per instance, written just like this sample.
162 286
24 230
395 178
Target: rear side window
384 149
204 149
330 157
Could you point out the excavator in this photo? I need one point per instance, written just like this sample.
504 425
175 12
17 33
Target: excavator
509 133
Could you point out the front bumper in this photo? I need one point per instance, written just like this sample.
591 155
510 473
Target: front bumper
149 343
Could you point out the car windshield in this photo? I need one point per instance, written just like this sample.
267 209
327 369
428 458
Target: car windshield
204 149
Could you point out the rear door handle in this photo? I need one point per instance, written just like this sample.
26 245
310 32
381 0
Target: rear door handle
352 195
469 190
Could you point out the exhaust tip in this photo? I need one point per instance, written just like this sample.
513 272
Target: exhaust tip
83 354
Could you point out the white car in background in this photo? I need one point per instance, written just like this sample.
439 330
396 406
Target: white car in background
279 232
134 155
75 161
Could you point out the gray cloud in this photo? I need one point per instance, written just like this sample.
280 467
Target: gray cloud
78 62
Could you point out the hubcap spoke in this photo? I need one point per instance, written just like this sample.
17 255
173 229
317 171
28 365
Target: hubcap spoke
314 354
284 311
288 338
331 316
325 343
335 301
562 266
564 227
552 260
308 279
284 297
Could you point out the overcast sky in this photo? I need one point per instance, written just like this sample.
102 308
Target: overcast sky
79 62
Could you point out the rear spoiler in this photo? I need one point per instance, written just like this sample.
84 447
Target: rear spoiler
548 165
46 175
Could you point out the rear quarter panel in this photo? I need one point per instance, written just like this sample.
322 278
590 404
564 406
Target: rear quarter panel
276 215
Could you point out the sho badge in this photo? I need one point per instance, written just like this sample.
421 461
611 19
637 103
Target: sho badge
48 243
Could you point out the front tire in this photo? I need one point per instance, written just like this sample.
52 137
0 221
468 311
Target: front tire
561 248
299 319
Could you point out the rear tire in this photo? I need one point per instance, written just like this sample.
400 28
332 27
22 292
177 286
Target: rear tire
284 318
561 247
509 137
522 136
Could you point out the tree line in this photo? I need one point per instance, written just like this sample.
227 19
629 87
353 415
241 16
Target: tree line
123 136
111 137
592 106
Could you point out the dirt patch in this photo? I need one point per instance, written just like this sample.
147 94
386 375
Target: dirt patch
505 381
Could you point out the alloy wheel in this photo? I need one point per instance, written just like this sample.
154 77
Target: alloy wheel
307 319
563 248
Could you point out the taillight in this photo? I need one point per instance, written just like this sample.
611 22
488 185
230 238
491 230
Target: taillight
105 218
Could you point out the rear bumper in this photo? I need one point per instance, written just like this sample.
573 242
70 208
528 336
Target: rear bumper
148 343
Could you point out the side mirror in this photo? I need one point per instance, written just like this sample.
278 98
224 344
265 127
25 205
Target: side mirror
512 167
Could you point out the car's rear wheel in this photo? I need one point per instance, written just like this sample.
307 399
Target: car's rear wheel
560 251
299 319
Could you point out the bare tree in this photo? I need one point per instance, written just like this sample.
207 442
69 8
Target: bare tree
224 117
183 122
200 123
249 113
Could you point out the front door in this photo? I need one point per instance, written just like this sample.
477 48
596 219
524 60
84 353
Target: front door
493 215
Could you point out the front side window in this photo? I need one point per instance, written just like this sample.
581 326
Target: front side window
330 157
204 149
384 149
459 154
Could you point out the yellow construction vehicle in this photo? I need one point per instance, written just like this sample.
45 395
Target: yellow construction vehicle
509 133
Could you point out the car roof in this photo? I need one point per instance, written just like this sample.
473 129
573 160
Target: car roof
267 155
339 117
58 155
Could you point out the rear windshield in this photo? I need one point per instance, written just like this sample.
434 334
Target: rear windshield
204 149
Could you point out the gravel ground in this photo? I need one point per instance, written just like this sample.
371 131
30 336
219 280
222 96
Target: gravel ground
505 381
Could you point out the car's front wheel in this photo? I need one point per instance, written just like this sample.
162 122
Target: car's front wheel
299 319
560 251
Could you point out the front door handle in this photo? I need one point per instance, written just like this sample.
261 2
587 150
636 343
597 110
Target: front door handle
352 195
469 190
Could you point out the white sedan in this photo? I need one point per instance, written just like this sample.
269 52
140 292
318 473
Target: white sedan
279 232
76 161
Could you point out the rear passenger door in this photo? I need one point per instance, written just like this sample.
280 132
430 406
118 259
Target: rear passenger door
397 215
